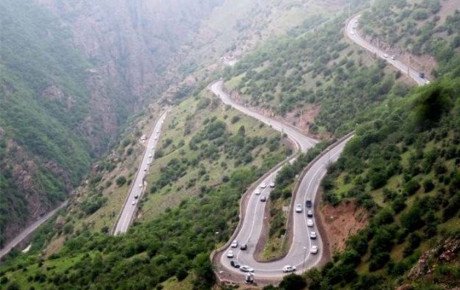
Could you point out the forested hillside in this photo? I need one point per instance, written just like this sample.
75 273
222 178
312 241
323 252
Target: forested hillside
316 75
204 166
83 68
43 115
403 167
59 111
419 27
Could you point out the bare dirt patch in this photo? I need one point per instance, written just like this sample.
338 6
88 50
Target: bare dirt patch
54 246
341 222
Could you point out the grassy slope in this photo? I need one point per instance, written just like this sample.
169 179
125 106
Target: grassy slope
185 223
197 170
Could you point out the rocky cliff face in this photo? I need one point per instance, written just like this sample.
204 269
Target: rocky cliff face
130 43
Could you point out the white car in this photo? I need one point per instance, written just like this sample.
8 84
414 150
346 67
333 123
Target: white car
234 244
309 223
257 192
288 269
314 249
298 208
263 185
230 254
385 55
150 156
272 184
309 213
246 269
140 185
134 202
393 57
312 235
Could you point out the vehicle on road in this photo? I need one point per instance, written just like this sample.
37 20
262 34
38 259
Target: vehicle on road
272 184
134 202
308 203
249 278
136 196
263 185
309 213
244 247
258 191
309 223
314 249
298 208
393 57
230 254
422 75
150 155
234 264
140 185
263 198
288 269
246 269
234 244
385 55
312 235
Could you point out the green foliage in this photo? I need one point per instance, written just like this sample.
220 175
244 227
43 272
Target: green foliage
411 159
292 282
92 204
417 27
121 180
280 75
177 242
43 103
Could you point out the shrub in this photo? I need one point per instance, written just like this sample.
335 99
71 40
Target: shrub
120 181
378 261
411 187
292 282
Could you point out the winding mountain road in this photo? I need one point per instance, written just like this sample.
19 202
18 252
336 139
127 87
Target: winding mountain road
29 230
250 230
138 186
302 142
352 33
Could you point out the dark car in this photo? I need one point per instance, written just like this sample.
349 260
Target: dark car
235 264
308 203
244 246
422 75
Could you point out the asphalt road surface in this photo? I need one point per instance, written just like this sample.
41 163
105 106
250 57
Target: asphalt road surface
352 33
29 230
299 253
138 186
250 232
303 142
